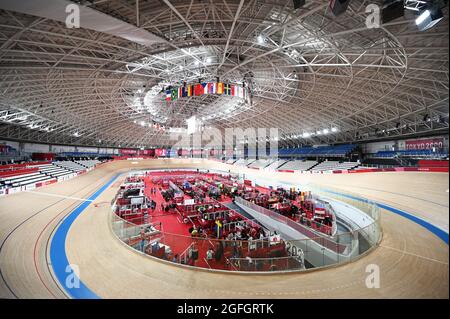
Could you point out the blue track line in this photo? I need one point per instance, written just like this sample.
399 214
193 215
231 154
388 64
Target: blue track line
58 257
435 230
62 269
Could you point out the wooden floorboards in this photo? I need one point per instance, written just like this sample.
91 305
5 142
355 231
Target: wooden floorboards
413 262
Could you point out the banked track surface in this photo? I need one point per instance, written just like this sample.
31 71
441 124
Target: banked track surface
413 261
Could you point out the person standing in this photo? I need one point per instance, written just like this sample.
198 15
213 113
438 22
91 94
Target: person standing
142 243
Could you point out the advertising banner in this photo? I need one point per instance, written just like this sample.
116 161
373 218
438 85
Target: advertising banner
425 144
128 151
160 152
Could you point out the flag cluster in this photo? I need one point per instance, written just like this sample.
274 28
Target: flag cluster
198 89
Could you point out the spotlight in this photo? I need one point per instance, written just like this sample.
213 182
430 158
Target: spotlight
208 60
392 9
325 131
338 6
334 129
429 18
260 39
298 4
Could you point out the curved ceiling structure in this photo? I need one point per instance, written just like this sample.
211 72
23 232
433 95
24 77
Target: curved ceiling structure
307 69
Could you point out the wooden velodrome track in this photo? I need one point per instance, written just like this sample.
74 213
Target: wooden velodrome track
413 261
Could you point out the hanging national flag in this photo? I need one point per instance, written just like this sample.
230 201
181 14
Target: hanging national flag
205 88
174 94
240 90
226 89
198 89
211 88
218 227
189 90
233 90
168 95
219 88
184 91
180 92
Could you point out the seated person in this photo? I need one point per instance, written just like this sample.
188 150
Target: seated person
209 254
155 247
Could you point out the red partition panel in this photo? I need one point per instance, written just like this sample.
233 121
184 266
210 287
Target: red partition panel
10 167
433 163
285 170
43 156
18 172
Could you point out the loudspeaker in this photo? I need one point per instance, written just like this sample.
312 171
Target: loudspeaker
429 18
392 10
298 3
338 6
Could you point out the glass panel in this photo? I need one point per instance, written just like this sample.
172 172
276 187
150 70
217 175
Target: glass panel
322 246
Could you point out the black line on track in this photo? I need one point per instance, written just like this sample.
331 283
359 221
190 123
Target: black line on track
21 224
398 194
51 235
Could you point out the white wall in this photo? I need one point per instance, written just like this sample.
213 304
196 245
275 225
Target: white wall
10 143
108 151
87 149
378 146
46 148
36 148
62 148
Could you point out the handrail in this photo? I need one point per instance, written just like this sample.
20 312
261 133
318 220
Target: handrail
308 232
128 229
184 253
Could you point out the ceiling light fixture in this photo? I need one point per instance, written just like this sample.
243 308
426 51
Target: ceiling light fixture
260 39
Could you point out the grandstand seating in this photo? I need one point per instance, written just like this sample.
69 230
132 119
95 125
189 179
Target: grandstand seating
69 165
261 163
298 165
276 164
53 170
88 163
334 165
230 161
243 162
320 151
35 172
23 180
